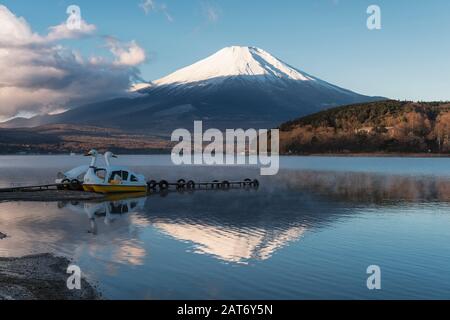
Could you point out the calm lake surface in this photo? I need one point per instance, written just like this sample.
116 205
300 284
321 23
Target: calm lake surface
308 233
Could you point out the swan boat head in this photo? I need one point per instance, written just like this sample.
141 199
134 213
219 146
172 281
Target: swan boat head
94 155
91 176
108 156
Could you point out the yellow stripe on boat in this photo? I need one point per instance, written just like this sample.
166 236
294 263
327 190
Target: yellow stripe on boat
114 188
88 188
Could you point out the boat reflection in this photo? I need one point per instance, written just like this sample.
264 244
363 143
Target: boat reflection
111 210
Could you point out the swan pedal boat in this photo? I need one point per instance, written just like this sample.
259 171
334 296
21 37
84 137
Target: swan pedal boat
116 181
112 179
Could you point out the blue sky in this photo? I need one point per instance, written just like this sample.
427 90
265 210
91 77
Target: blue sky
407 59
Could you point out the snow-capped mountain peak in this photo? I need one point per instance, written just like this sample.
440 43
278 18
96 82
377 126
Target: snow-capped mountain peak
232 62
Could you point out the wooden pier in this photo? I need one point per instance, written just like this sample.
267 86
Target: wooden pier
192 185
72 192
46 187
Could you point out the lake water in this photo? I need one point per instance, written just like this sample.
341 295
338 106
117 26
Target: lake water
308 233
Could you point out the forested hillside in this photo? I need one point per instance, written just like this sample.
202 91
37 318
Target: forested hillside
385 126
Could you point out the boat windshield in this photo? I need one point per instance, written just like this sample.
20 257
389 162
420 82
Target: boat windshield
119 175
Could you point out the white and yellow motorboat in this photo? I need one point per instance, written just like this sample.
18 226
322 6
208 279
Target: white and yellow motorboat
112 179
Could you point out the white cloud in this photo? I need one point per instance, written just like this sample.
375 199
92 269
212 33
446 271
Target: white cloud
38 75
126 54
61 31
211 12
15 30
148 6
152 6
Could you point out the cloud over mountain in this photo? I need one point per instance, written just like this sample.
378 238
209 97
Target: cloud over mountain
40 75
126 54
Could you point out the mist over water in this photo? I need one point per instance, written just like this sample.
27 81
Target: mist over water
309 232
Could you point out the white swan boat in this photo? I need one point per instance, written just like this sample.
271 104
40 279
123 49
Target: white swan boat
109 179
112 179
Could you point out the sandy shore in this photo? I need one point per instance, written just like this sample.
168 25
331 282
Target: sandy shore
40 277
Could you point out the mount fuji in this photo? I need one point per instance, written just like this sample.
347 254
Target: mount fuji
237 87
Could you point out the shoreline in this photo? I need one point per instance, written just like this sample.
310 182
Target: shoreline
40 277
371 155
319 154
